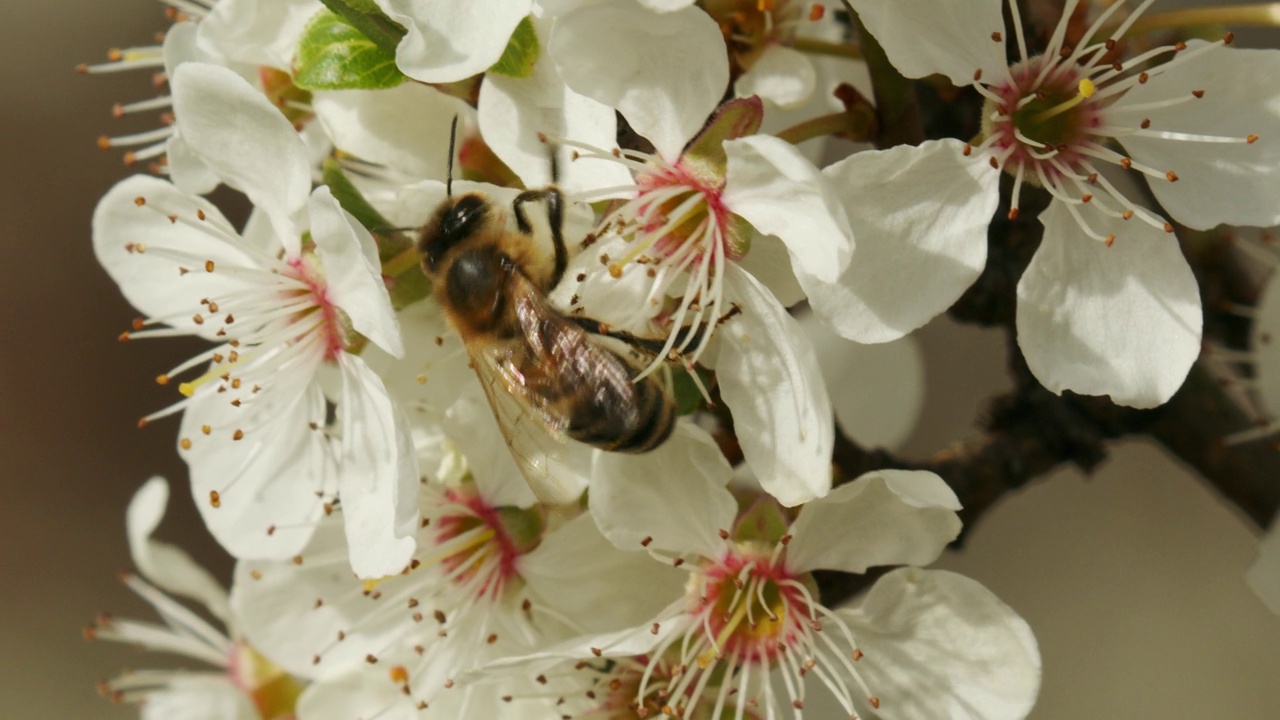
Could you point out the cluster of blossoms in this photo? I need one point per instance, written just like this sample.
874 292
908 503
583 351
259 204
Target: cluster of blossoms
392 560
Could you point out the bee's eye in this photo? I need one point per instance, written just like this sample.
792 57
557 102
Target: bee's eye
463 215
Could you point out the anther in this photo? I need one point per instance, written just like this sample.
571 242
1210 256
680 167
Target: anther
215 499
817 12
977 75
1146 123
185 443
1198 93
997 37
1229 38
1171 176
1251 139
1111 240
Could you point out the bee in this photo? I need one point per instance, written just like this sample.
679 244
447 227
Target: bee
491 273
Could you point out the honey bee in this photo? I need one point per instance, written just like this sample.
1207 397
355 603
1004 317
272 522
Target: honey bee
491 274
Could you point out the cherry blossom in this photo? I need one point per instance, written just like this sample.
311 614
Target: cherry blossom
284 315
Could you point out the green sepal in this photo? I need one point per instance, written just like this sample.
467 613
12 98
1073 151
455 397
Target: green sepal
764 522
734 119
333 54
521 53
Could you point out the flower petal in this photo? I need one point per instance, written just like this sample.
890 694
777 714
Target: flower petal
377 475
198 697
877 390
887 517
772 383
450 40
776 189
575 568
514 111
768 262
256 33
1236 183
939 645
782 75
954 38
638 61
154 282
920 216
275 602
1123 321
272 482
370 124
353 274
246 141
167 566
675 496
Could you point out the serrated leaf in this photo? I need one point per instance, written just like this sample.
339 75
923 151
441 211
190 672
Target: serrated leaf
521 53
333 55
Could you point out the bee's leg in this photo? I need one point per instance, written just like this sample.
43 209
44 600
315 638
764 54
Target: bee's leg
555 218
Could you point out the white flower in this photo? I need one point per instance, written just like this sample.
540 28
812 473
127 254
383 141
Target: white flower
253 430
1108 305
672 255
241 684
921 645
493 576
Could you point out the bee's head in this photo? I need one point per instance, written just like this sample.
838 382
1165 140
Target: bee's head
457 219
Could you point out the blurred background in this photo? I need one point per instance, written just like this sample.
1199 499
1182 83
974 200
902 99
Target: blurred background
1131 579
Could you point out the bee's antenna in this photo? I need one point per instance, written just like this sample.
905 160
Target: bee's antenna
453 137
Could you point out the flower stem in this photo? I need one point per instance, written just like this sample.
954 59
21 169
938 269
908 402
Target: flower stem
841 123
1265 14
823 47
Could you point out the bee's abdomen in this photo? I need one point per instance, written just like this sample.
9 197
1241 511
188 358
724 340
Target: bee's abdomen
637 425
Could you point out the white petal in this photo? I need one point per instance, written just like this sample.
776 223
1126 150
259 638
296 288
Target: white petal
153 282
638 61
1123 321
471 425
769 262
920 216
199 697
623 643
948 37
877 390
1235 183
776 189
576 571
268 480
772 383
450 40
371 124
888 517
275 602
167 566
666 5
187 170
939 645
255 32
675 495
433 372
353 274
513 111
1263 576
246 141
781 75
377 475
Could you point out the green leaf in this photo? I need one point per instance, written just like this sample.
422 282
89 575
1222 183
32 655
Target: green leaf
333 55
368 18
522 52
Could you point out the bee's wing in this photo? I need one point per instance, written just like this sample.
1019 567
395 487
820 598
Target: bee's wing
536 380
541 450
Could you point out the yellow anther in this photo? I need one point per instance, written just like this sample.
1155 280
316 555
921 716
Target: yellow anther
1087 88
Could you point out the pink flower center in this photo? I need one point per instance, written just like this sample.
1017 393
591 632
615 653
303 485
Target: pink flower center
754 607
331 327
1040 124
481 545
